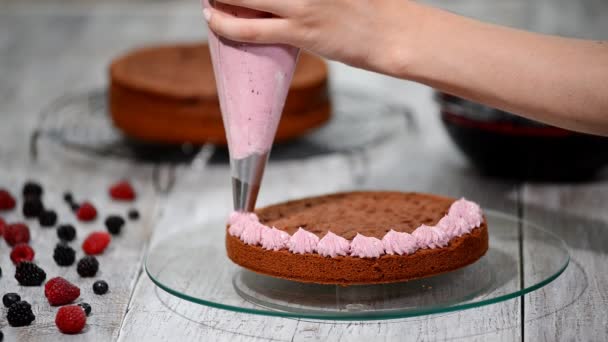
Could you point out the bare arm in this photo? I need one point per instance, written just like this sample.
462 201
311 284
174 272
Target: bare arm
556 80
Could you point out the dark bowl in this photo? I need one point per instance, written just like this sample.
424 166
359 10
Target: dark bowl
505 145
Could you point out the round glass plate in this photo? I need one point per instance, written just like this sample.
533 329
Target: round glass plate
193 265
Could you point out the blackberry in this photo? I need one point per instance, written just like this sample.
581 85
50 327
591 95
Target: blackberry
20 314
1 336
29 274
68 198
64 255
86 307
66 232
48 218
100 287
87 266
10 298
114 224
133 215
32 190
32 207
74 207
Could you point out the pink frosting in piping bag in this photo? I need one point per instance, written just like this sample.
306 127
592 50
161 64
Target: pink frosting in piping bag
253 81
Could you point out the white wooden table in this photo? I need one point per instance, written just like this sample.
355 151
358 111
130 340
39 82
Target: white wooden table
49 48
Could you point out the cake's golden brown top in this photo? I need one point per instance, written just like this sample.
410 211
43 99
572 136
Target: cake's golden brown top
185 71
368 213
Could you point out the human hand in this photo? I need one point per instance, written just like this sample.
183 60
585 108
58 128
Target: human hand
364 33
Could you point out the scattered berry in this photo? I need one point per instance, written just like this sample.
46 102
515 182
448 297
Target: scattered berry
87 266
59 291
114 224
64 255
48 218
70 319
122 191
2 226
96 243
32 190
1 336
22 252
10 298
86 212
66 232
16 233
100 287
7 201
68 197
75 207
133 215
29 274
20 314
86 307
32 207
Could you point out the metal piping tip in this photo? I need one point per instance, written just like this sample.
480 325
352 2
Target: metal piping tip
247 174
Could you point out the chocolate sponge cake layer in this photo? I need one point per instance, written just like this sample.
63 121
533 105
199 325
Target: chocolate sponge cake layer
371 214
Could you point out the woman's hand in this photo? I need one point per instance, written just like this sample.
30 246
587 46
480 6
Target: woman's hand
370 34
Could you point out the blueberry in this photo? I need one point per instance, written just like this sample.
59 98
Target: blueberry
100 287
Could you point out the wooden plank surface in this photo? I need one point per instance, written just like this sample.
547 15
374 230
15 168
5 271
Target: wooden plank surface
572 307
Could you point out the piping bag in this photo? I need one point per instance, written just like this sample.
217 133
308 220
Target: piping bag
252 83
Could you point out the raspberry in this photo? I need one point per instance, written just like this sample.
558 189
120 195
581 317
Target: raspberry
66 232
2 226
70 319
10 298
64 255
32 207
96 243
48 218
22 252
133 215
122 191
20 314
7 201
86 307
29 274
16 233
59 291
114 224
87 266
100 287
32 190
86 212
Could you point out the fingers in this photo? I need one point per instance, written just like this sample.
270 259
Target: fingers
267 30
280 8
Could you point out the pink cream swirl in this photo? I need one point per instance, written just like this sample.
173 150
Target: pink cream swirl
430 237
399 243
366 247
275 239
332 245
303 241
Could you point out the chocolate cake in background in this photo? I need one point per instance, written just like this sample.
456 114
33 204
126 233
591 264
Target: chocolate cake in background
505 145
167 94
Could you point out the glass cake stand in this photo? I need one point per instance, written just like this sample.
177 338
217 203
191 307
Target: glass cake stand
193 265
